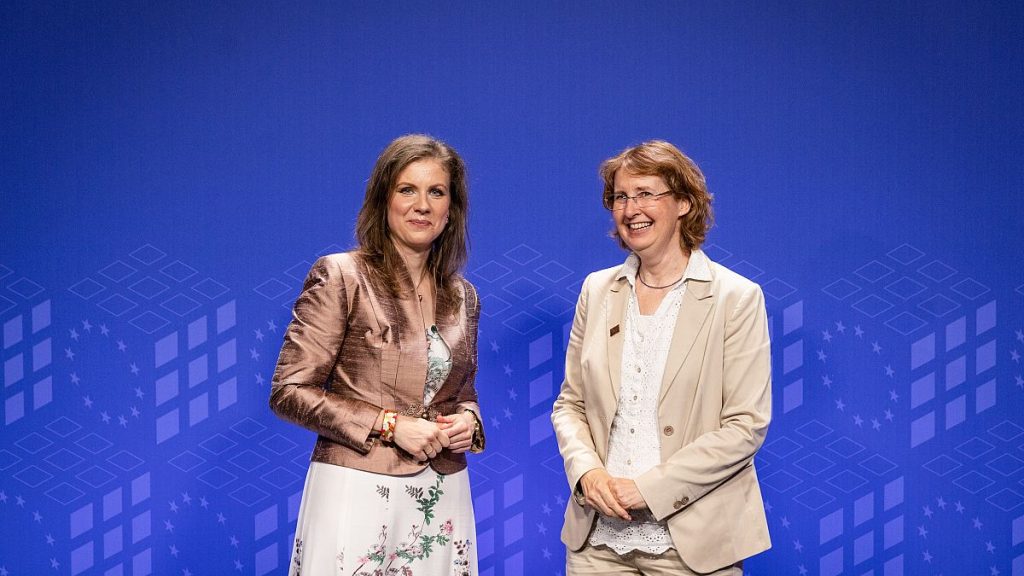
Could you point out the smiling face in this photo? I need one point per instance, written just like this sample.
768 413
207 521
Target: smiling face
418 205
654 229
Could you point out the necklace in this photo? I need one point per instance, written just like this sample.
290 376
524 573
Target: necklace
669 285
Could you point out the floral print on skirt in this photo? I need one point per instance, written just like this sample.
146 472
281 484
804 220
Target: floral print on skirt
356 523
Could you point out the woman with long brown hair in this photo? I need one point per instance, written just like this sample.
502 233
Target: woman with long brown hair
380 361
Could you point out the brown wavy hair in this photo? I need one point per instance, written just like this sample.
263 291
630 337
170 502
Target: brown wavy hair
450 250
684 178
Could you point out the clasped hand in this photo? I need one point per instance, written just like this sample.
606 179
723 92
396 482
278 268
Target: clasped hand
424 439
611 496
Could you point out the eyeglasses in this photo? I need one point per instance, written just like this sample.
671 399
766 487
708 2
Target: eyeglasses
618 201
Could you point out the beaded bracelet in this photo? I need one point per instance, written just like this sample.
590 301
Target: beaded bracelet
387 427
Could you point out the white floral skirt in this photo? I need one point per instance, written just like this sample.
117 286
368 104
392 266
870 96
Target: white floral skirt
357 523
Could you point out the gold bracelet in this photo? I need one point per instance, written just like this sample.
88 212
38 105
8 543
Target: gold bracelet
387 427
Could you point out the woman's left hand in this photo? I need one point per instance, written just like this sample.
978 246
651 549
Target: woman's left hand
460 428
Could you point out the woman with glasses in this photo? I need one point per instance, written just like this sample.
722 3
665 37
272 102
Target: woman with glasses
380 360
667 390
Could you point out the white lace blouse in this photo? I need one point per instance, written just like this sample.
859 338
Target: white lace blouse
634 445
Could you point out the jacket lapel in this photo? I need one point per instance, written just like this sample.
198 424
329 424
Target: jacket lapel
697 302
616 332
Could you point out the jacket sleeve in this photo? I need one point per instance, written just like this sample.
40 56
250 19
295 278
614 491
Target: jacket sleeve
311 346
569 413
714 457
467 399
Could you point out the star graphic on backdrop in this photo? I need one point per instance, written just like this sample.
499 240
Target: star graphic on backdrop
3 571
894 396
3 497
259 379
785 522
186 498
1019 380
259 334
495 423
508 413
876 348
105 417
889 415
941 502
134 368
959 507
927 556
50 539
169 526
508 370
204 502
73 334
512 394
840 405
798 546
546 553
87 401
990 547
802 570
1020 335
271 325
826 335
840 327
927 510
254 354
54 564
858 331
174 550
122 421
121 345
889 371
994 571
922 531
69 354
977 523
821 355
876 424
767 506
86 325
173 506
234 541
545 509
135 412
542 529
221 519
186 572
104 330
826 382
75 379
19 501
858 420
37 517
1014 355
139 393
494 346
238 565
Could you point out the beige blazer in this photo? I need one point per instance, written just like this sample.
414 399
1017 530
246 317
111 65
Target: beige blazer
352 349
713 413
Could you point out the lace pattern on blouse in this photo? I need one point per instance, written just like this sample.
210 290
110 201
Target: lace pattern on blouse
634 444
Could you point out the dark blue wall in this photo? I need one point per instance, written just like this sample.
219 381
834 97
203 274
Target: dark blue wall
169 170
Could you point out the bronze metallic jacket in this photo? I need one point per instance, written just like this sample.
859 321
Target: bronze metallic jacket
352 349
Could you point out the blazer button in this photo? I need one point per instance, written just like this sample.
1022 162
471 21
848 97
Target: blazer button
669 430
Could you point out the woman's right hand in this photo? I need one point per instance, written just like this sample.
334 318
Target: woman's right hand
421 438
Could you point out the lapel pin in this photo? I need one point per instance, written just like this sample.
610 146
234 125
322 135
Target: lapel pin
613 331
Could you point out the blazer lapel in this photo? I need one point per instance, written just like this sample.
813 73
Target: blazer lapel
697 302
615 330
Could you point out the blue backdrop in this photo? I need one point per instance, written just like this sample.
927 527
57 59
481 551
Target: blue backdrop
169 170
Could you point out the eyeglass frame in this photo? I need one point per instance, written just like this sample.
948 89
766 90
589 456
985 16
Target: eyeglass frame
648 198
